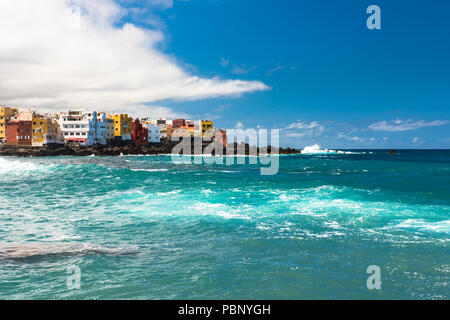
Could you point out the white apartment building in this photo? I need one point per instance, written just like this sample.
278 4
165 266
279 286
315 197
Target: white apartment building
82 128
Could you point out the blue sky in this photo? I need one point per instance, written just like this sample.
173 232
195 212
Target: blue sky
310 68
326 70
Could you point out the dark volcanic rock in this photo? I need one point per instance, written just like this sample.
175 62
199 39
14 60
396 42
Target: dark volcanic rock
165 147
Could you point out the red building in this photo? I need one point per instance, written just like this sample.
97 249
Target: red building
178 123
221 135
18 133
139 133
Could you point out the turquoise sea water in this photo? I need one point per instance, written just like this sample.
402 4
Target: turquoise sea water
142 227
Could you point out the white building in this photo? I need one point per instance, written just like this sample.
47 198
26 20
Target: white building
154 133
163 124
82 128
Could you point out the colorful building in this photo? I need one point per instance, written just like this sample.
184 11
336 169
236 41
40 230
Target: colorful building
221 135
154 133
190 126
18 133
180 132
38 125
79 127
109 129
139 133
54 133
39 129
122 126
5 114
205 128
163 125
178 123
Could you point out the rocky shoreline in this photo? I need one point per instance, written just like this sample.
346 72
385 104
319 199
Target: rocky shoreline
166 147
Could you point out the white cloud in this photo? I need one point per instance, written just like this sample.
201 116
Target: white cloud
163 3
404 125
349 138
417 140
153 111
54 55
303 129
242 69
239 125
274 69
295 134
304 125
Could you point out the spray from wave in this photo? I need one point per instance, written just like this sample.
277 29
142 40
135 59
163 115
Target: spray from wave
9 165
315 149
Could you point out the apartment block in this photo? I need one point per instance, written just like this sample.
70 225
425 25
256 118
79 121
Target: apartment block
154 133
139 133
122 126
79 127
5 114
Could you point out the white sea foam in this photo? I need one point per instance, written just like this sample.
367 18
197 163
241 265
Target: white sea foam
207 191
315 149
9 165
151 170
168 193
422 225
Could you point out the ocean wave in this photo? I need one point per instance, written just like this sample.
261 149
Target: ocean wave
151 170
423 225
9 165
27 250
315 149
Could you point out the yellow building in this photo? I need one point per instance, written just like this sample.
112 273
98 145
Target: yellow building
122 125
207 128
54 132
39 129
5 113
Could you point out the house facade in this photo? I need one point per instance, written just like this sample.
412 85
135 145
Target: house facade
154 133
5 114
